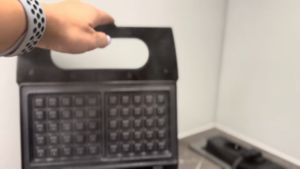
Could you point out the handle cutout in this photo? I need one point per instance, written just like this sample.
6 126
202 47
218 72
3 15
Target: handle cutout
122 53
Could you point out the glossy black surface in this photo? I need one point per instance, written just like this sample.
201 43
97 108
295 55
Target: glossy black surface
100 125
85 126
93 119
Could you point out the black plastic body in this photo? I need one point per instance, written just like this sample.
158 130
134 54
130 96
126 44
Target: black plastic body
37 75
37 65
230 152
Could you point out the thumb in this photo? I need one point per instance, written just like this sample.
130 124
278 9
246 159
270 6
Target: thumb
102 40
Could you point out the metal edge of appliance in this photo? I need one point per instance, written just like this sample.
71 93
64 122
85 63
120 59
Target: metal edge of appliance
198 147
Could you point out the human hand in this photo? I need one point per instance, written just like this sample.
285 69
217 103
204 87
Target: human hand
70 27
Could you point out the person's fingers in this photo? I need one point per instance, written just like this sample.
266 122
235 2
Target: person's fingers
102 40
102 18
97 40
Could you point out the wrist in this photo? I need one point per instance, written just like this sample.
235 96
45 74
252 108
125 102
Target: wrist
51 27
15 25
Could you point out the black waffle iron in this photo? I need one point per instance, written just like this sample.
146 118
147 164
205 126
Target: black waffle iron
96 119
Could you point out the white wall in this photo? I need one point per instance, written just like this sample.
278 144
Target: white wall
197 25
259 94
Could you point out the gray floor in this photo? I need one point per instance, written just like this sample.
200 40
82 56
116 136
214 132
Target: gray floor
188 159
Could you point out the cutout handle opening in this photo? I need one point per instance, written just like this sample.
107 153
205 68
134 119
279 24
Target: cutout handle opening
122 53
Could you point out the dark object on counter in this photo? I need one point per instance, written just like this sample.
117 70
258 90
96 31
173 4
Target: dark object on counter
94 119
233 155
